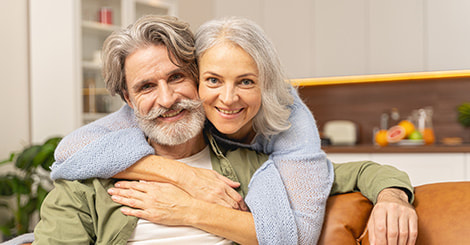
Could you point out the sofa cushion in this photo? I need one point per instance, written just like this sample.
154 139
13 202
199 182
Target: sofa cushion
345 219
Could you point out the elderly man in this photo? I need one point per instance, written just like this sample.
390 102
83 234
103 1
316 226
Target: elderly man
169 113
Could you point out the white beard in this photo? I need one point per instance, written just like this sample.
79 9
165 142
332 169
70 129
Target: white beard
174 133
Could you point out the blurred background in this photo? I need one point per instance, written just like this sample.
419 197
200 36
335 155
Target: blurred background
50 48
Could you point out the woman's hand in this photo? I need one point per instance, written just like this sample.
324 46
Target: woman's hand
202 184
210 186
160 203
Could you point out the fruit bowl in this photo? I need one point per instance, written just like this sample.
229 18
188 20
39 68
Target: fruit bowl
408 142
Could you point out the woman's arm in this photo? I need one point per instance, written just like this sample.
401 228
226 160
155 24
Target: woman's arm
166 204
101 149
302 176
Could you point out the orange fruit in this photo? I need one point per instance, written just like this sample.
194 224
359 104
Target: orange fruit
428 136
408 126
395 134
381 137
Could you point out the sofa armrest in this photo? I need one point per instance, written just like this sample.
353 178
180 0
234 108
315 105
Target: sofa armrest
345 219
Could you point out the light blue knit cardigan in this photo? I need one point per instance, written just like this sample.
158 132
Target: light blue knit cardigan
287 194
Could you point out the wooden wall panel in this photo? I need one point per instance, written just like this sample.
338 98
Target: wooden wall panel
364 103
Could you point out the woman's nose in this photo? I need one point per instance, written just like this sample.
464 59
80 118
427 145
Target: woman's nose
229 95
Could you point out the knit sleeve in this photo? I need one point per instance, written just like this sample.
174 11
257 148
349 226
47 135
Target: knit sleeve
305 176
101 149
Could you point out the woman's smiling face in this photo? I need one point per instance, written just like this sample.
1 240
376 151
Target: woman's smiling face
230 89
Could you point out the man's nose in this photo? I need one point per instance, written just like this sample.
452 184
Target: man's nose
166 95
229 95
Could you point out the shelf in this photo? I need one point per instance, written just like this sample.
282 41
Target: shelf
438 148
95 91
96 101
98 27
397 77
91 65
88 116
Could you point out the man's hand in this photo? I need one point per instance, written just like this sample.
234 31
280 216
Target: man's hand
393 220
160 203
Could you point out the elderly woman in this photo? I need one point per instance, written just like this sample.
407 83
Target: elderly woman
248 104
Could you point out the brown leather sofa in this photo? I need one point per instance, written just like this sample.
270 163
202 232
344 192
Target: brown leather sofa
443 216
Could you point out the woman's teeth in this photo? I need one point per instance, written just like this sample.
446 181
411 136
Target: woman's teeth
229 112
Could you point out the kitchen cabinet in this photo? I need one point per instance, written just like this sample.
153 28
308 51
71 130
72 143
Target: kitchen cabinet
423 168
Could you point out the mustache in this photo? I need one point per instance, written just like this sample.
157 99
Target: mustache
154 113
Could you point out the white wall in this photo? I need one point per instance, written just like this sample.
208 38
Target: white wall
14 101
205 10
54 98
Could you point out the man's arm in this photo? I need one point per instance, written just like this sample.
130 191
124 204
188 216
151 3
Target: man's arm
393 219
370 179
64 218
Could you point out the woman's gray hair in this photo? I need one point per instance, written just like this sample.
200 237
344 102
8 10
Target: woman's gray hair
273 116
149 30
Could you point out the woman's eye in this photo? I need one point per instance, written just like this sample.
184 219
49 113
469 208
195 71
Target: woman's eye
247 82
212 80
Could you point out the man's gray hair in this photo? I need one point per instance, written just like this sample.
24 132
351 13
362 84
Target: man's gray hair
276 96
149 30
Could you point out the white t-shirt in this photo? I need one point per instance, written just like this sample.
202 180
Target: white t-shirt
147 232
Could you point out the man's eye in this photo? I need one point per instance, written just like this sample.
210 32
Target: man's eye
146 86
176 77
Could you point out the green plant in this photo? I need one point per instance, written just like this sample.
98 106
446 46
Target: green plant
464 114
22 191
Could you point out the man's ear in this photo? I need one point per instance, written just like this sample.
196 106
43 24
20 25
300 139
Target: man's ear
126 97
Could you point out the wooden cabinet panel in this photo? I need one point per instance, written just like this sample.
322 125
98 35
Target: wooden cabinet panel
340 37
395 36
448 34
291 28
345 157
422 168
427 168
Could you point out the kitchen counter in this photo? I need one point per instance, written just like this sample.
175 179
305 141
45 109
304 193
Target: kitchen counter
363 99
438 148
